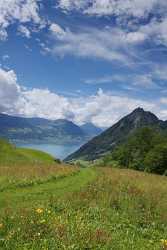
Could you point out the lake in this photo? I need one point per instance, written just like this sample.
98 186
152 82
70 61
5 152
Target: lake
58 151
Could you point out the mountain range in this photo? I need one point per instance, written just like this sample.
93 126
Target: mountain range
61 131
118 133
90 129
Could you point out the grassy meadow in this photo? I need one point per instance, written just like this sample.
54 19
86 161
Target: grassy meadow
48 205
88 208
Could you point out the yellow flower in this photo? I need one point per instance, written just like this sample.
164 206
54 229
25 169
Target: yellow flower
39 210
42 221
164 242
1 225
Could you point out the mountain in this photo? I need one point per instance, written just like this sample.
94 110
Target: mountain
90 129
118 133
40 130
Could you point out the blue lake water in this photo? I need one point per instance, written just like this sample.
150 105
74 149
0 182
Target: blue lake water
58 151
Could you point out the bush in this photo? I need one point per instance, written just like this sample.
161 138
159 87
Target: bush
140 152
156 159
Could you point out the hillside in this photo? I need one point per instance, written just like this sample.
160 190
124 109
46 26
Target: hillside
44 204
12 156
40 130
118 133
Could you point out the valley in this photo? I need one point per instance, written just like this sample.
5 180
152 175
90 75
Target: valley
46 203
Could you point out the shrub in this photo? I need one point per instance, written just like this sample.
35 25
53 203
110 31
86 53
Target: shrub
156 159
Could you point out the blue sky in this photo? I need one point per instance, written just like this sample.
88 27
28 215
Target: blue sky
83 60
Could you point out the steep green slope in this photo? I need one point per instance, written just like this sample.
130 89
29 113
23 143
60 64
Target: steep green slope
145 150
10 155
118 133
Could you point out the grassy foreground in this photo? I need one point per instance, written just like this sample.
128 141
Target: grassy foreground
90 208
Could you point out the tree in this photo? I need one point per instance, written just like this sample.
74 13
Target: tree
156 160
133 152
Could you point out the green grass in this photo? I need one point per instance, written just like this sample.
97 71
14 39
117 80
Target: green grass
10 155
41 192
49 206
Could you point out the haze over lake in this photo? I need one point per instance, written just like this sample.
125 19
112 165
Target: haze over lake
58 151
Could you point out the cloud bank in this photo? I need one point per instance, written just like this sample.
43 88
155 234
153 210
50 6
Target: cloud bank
103 108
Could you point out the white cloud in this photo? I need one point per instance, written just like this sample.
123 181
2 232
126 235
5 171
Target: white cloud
57 30
24 31
3 34
127 81
103 108
18 10
136 37
73 4
9 91
127 11
112 44
108 43
144 81
135 8
105 79
43 103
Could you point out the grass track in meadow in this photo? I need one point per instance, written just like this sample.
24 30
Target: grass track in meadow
94 209
31 196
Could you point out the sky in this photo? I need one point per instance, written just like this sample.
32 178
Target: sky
83 60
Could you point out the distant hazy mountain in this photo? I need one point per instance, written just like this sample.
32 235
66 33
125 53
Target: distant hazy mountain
40 130
90 129
106 142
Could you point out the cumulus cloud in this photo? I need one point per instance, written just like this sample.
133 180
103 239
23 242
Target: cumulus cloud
9 91
22 11
57 30
24 31
43 103
73 4
103 108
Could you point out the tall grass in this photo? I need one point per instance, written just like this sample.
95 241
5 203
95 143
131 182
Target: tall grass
120 210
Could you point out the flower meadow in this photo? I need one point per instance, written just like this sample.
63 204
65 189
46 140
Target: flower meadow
115 209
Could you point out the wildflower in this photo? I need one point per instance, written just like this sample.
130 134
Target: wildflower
164 242
1 225
39 210
42 221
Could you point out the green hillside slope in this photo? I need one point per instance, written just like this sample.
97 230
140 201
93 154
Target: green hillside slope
118 133
10 155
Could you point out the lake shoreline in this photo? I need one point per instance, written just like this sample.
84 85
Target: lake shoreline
56 150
